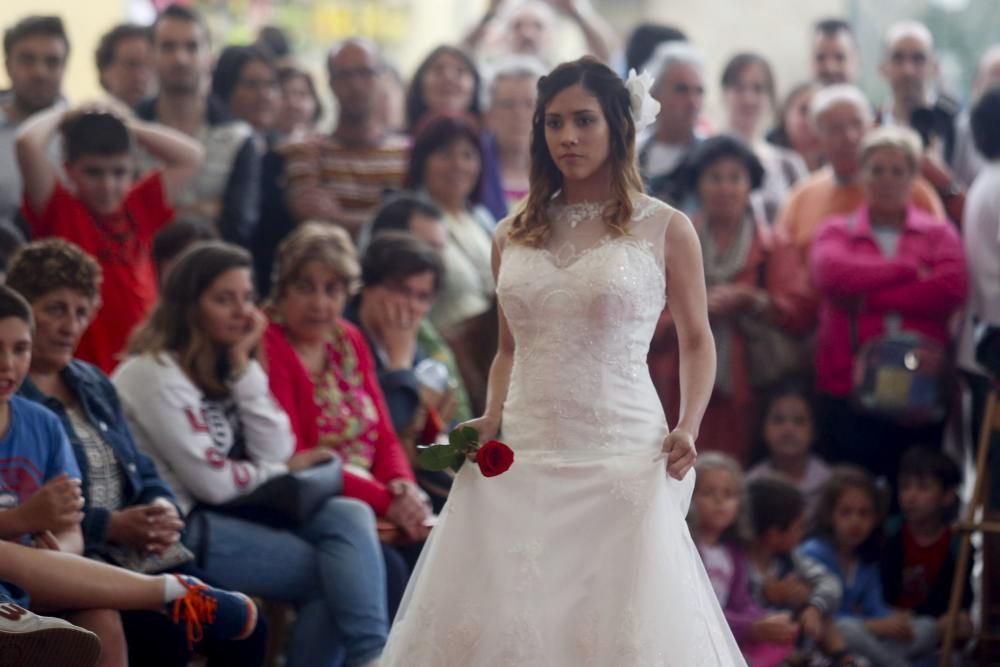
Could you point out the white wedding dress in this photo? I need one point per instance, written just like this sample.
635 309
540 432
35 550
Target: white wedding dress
578 555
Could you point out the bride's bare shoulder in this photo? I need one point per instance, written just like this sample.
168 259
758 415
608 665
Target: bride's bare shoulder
501 235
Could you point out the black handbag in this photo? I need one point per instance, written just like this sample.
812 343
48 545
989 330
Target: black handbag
288 499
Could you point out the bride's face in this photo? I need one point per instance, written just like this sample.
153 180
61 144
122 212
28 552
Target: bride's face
576 133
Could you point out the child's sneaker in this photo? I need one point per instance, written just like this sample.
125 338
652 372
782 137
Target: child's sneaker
208 611
29 640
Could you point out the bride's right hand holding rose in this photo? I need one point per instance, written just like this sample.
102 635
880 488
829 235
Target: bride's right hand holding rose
487 426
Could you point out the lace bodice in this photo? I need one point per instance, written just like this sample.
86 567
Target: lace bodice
582 311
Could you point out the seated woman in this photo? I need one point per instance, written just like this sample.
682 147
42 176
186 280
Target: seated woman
129 517
199 405
757 288
447 82
886 268
444 167
323 373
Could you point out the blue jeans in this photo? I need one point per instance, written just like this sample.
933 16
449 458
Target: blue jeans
331 568
11 593
889 652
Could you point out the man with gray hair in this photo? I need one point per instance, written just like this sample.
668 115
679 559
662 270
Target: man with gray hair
842 116
509 102
678 71
910 67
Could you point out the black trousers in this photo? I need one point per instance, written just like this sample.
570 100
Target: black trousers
846 435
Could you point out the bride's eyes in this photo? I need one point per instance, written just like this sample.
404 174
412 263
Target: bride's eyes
553 123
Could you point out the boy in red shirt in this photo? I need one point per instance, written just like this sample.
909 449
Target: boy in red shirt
920 553
103 209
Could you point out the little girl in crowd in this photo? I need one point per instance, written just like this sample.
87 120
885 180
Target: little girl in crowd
847 542
787 435
720 529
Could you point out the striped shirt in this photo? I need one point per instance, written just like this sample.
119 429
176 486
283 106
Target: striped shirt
356 176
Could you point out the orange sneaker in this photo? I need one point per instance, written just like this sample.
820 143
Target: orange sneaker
212 612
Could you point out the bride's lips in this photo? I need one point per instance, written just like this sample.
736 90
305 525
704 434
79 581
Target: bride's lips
7 387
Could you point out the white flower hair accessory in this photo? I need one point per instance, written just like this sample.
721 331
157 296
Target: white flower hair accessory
644 107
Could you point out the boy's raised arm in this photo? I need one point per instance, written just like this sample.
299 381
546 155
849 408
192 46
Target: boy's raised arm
180 154
37 172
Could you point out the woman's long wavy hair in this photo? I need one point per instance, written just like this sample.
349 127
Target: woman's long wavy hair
530 225
174 325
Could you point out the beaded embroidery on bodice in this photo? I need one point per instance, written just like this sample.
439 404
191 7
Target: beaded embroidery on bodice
582 311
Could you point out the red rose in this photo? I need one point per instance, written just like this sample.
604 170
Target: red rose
494 458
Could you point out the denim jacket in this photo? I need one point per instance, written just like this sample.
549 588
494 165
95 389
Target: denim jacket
99 403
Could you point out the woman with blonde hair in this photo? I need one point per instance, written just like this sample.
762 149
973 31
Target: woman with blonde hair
323 373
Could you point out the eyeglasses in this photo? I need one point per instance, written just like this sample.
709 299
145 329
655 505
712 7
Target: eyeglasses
363 73
918 58
685 89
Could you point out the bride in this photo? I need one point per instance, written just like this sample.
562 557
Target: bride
579 554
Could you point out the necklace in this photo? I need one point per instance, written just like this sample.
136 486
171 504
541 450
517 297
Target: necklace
574 214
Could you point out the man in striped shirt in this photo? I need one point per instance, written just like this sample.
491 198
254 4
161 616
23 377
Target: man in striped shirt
343 177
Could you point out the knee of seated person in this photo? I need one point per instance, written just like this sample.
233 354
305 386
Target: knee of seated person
850 626
106 624
348 510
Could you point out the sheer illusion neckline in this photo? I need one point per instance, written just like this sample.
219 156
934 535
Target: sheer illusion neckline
567 254
574 214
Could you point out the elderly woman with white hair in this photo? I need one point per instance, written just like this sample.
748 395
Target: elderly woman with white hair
885 269
842 117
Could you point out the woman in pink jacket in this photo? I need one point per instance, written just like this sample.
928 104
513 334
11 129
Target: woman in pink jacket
889 268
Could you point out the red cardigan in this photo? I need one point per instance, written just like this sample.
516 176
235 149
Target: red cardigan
293 388
924 283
